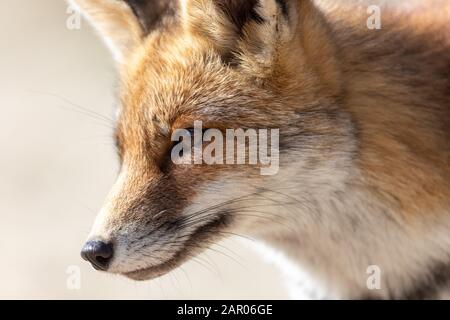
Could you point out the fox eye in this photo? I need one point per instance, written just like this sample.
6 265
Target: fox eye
191 132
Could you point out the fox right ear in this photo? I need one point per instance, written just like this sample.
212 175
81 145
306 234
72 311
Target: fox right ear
125 23
245 32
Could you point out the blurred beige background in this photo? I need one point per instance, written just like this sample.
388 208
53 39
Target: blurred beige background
57 164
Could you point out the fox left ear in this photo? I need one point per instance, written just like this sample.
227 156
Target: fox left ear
125 23
249 31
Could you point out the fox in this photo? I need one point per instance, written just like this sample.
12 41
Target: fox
360 204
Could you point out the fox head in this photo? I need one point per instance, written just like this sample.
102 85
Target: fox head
263 64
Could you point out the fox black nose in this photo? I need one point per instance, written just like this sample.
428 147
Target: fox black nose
98 253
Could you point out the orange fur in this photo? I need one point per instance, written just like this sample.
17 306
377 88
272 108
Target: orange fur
363 111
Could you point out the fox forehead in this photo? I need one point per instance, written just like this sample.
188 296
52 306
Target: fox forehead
169 78
168 83
173 81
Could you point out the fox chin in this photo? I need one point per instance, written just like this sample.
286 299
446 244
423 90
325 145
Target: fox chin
362 189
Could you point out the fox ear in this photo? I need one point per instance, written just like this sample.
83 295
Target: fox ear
239 28
125 23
